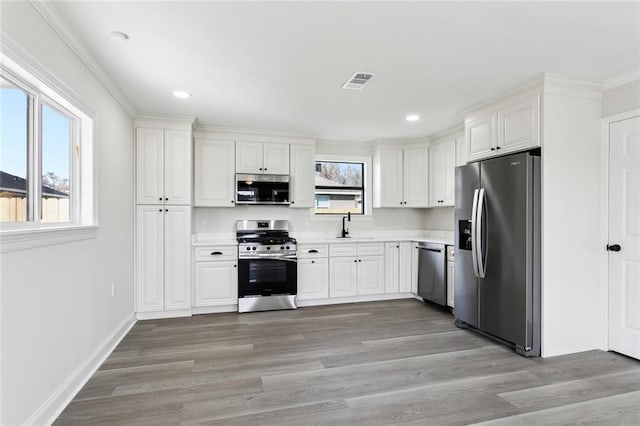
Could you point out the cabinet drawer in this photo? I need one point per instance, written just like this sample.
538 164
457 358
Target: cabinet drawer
310 251
450 253
371 249
343 250
216 253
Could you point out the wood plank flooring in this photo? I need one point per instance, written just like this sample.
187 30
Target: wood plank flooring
380 363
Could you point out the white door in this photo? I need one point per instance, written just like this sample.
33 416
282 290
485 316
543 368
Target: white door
177 257
214 173
177 167
150 258
215 283
391 260
624 230
415 177
387 180
313 279
371 275
302 176
481 137
276 158
343 276
249 157
150 166
405 273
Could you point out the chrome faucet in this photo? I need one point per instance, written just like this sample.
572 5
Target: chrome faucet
345 232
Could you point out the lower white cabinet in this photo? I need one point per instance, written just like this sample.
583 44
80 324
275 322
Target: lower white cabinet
163 258
343 276
215 276
358 275
398 260
371 275
414 268
404 267
313 278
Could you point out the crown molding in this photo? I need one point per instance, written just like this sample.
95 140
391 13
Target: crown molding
52 17
621 80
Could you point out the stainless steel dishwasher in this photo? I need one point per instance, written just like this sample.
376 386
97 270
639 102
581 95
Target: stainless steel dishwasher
432 283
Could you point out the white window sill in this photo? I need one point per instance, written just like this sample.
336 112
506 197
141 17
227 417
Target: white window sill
21 239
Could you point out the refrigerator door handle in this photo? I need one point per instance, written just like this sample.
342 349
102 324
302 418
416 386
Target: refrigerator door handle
482 267
474 248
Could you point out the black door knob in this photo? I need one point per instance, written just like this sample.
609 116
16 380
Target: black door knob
613 247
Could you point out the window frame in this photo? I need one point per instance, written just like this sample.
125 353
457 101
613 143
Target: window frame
366 182
41 89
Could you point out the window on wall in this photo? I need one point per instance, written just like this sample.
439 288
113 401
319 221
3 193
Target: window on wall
340 187
42 136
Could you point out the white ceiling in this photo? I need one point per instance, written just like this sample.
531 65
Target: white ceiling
280 66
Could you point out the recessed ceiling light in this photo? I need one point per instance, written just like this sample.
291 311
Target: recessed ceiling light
118 37
181 94
413 117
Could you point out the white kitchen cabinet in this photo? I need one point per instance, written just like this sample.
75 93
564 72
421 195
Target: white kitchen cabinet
215 283
214 173
414 268
392 267
163 166
441 173
302 177
450 280
461 150
262 157
163 273
513 125
313 278
404 267
343 276
371 275
400 177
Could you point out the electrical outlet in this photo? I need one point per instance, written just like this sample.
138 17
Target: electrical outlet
113 289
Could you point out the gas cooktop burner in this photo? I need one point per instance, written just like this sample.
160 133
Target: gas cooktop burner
266 241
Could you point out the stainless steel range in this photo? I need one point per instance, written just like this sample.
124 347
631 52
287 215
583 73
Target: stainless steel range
267 266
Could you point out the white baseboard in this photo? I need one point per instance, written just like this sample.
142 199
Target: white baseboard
57 402
355 299
214 309
163 314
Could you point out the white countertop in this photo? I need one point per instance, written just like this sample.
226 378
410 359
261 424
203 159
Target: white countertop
442 237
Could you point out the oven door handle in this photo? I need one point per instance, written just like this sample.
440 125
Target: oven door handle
287 259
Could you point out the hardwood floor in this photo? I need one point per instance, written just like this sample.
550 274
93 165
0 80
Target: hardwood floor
397 362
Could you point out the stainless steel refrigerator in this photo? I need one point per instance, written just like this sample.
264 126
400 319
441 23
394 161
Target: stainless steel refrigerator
497 250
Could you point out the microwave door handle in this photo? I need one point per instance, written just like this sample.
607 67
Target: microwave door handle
474 249
482 257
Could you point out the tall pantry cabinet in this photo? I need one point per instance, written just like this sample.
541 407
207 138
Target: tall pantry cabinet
163 217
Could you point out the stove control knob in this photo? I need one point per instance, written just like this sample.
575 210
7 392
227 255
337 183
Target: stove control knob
268 247
282 247
288 247
248 248
253 248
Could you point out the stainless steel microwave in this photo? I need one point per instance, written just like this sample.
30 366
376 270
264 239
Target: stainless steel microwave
262 189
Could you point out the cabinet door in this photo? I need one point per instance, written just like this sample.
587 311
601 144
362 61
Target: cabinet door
371 275
414 268
481 137
313 279
215 283
150 166
391 265
343 276
416 177
302 184
276 158
150 258
404 264
249 157
448 173
520 126
177 257
450 289
436 175
461 151
214 173
387 178
177 167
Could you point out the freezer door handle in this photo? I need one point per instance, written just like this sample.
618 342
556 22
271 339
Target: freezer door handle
482 266
474 248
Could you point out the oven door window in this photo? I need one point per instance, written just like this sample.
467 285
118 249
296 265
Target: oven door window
263 192
266 277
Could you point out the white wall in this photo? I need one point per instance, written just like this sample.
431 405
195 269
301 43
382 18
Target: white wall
439 219
57 307
621 99
572 316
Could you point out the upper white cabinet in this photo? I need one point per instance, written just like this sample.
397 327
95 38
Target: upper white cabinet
302 176
461 150
262 157
400 177
442 162
163 166
214 173
513 125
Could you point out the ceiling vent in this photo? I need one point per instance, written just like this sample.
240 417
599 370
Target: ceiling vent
357 80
